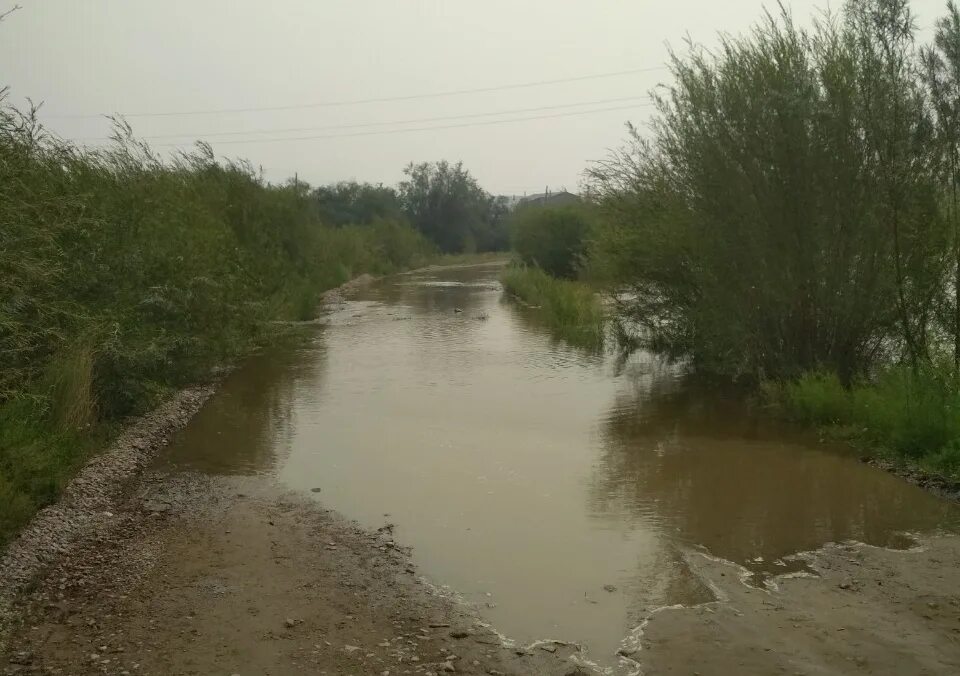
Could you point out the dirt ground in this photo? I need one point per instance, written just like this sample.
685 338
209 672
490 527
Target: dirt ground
201 575
866 610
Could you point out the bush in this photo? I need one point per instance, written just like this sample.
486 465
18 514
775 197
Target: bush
553 239
818 397
777 219
913 414
571 309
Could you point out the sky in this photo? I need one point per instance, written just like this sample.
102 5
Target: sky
361 88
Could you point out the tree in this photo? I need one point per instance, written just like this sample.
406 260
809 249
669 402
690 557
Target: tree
351 203
552 238
448 206
784 215
942 77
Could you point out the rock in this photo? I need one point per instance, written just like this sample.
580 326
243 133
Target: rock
351 648
447 667
626 652
315 490
459 633
155 506
845 585
23 657
290 623
549 647
438 625
609 587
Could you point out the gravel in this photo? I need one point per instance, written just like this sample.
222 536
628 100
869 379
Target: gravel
91 499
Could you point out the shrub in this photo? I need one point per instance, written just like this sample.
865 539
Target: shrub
552 239
913 413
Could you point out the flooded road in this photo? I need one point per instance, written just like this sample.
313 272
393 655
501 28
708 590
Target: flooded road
555 489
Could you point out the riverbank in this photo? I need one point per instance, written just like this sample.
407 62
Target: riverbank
91 500
93 495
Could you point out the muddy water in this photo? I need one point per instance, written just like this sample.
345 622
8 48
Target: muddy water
553 488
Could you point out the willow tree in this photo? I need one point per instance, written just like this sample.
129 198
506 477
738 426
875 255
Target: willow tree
783 214
942 76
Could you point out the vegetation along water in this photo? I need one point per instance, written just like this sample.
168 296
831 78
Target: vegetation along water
583 410
124 275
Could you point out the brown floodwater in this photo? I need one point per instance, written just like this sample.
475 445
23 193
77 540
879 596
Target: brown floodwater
529 475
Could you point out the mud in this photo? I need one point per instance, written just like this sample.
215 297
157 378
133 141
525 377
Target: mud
201 575
863 610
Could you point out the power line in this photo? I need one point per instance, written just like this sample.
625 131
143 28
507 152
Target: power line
376 124
417 129
409 97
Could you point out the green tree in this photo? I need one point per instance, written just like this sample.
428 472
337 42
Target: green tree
448 206
553 239
351 203
784 214
942 76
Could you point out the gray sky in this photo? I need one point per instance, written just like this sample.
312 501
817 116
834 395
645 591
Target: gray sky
85 57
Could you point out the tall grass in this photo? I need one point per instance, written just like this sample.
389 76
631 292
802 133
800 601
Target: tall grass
571 309
907 414
124 275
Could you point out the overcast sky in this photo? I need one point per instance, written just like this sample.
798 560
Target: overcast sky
88 57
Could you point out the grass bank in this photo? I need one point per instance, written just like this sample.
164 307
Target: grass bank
571 309
124 276
912 418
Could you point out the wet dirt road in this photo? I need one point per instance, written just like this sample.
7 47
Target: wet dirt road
609 506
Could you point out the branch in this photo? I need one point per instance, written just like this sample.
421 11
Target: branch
4 15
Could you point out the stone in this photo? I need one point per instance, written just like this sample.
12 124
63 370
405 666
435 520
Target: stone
23 657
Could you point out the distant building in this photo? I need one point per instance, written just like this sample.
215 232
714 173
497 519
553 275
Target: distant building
560 198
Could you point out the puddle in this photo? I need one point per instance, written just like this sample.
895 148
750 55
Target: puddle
552 488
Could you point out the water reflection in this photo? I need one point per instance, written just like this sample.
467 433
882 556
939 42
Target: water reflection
247 427
710 472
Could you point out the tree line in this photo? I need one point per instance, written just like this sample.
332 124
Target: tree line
439 199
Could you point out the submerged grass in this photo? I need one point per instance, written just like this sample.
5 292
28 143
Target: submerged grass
902 414
571 309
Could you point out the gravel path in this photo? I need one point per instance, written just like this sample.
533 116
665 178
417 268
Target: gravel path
91 500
